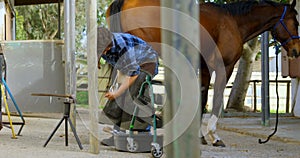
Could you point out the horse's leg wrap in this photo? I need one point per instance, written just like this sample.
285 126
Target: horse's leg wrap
211 128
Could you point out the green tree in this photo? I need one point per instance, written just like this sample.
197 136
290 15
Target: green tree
41 21
38 22
19 26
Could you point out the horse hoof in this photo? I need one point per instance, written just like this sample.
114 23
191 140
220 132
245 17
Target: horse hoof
203 141
219 143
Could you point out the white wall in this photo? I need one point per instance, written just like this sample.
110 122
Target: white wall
296 82
2 22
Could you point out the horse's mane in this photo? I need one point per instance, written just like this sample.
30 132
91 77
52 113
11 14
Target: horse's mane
244 7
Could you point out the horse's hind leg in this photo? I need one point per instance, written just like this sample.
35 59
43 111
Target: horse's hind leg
205 81
219 87
204 94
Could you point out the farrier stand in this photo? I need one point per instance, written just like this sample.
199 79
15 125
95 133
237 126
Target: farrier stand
68 100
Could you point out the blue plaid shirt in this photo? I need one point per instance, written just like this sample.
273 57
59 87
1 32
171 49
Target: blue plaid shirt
128 52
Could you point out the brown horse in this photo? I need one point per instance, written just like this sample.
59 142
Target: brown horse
229 26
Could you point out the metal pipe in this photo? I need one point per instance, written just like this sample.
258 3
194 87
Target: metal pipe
265 80
59 21
255 100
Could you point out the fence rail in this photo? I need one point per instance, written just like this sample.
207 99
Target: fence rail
288 84
254 96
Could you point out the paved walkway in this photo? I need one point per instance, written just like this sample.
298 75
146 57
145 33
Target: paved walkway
288 127
240 135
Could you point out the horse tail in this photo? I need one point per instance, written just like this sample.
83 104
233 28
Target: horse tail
114 22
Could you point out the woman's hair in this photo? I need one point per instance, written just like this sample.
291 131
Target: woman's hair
104 38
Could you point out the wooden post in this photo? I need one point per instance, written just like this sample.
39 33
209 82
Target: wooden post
180 53
92 74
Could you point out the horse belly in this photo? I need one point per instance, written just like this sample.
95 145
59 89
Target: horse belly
142 19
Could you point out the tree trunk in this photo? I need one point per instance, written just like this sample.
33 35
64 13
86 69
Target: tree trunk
241 82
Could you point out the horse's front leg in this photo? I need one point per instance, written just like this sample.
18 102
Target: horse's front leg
219 86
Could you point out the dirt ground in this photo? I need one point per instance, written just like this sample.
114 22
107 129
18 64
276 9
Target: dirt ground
37 130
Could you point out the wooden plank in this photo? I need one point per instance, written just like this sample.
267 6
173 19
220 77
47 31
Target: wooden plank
35 2
53 95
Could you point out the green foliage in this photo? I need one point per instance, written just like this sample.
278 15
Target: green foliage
41 21
19 26
37 21
82 97
80 26
103 5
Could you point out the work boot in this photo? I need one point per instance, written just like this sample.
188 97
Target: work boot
108 141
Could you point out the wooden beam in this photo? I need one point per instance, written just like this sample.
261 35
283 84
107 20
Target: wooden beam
35 2
92 74
53 95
